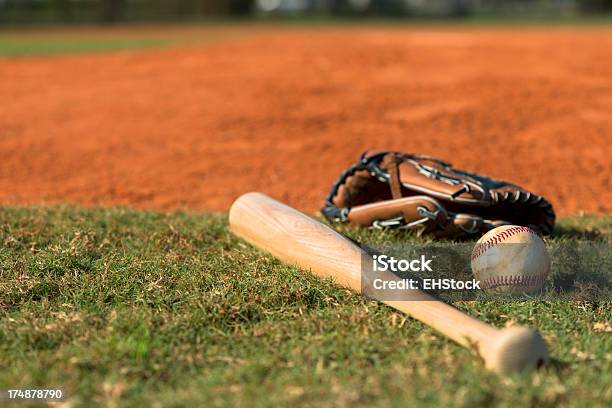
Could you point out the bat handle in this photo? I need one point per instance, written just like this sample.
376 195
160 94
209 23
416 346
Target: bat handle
514 349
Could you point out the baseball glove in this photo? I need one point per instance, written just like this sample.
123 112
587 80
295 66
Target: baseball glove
421 193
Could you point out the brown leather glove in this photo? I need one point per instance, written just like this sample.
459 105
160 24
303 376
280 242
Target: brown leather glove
412 192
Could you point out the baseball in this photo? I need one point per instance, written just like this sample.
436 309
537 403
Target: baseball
510 259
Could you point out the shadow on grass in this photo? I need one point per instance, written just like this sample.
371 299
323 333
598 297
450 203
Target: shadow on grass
582 269
559 366
563 232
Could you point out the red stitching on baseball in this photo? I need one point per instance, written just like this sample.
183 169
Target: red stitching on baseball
498 238
496 281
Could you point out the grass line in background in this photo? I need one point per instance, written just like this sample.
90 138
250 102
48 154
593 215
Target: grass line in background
44 41
170 308
28 46
18 41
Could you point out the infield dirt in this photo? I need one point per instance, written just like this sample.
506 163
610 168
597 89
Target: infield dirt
285 111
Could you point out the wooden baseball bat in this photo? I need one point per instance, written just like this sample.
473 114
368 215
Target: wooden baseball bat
300 240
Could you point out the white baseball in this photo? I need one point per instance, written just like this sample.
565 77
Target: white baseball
511 259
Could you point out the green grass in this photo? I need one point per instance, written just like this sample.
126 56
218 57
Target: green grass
50 40
44 41
16 46
137 308
485 20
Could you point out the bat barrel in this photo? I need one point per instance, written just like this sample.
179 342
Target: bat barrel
296 238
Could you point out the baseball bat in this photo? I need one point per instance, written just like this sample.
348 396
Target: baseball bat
299 240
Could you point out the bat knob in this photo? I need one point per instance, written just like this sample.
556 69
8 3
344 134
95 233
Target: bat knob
516 349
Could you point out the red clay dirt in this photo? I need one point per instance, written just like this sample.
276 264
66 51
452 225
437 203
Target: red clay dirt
285 111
